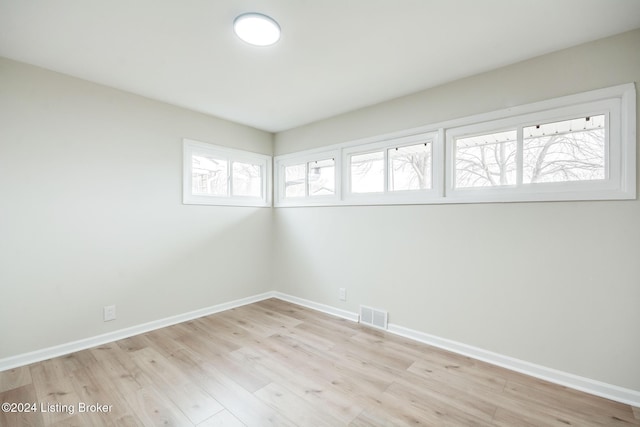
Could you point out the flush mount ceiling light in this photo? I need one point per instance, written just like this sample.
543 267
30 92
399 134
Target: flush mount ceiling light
257 29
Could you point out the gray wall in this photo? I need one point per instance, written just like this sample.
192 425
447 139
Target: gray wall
556 284
91 212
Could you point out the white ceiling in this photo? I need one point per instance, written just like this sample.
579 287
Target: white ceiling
334 55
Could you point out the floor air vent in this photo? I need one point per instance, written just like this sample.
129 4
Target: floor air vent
373 317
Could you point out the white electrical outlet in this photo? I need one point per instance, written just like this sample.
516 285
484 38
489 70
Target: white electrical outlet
342 294
109 313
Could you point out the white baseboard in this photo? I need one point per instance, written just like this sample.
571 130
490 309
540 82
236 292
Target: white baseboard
608 391
82 344
587 385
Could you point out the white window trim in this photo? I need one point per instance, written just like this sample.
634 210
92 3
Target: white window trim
617 102
232 155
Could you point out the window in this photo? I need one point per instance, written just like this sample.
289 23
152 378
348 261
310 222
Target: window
295 182
578 147
559 151
216 175
209 175
486 160
395 170
367 172
404 167
569 150
310 179
410 167
247 179
573 151
321 177
316 178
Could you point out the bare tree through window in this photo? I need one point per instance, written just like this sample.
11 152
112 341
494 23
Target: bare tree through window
410 167
486 160
570 150
247 179
367 172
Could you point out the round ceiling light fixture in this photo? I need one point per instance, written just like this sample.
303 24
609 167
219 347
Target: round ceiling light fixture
257 29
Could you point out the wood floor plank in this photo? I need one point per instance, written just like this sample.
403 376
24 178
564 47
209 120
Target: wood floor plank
128 420
341 331
505 417
267 316
442 403
349 374
198 340
385 363
323 344
93 387
469 379
155 409
235 398
77 360
209 349
164 341
16 417
261 329
133 343
223 328
222 419
552 415
298 410
370 419
119 368
400 412
78 420
326 372
292 310
14 378
575 406
54 390
318 393
194 402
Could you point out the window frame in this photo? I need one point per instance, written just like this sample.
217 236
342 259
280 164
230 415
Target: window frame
231 155
305 158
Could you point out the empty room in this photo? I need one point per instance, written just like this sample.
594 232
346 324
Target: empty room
319 213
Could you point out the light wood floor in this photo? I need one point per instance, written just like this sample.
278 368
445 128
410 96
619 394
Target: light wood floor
276 363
